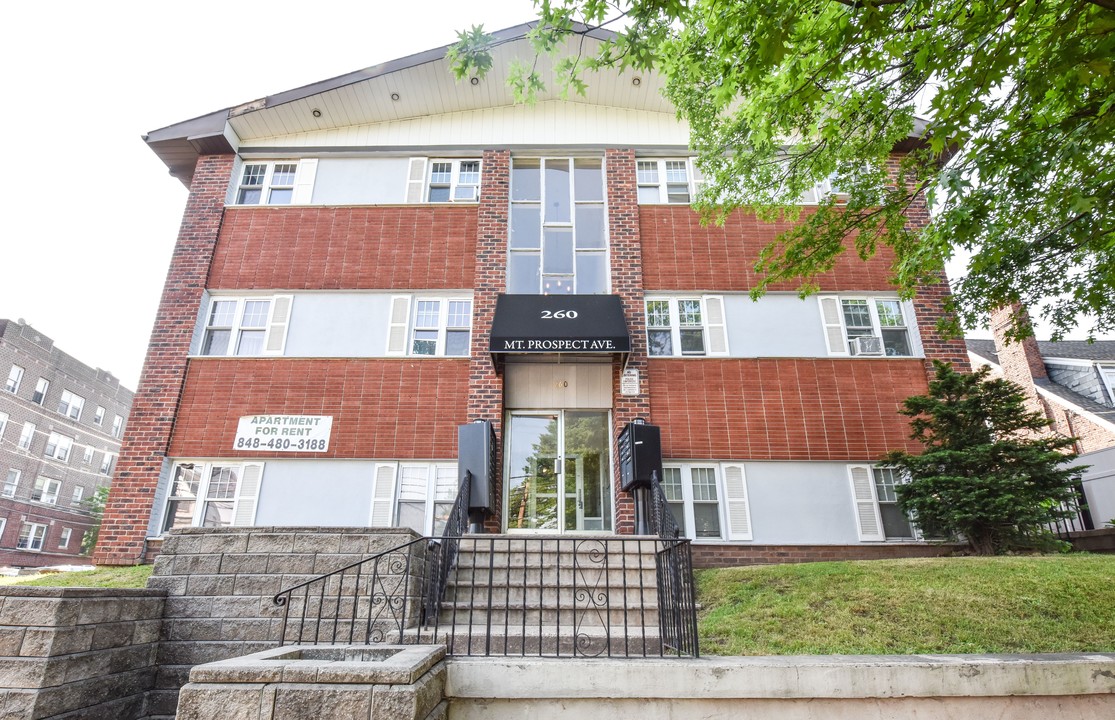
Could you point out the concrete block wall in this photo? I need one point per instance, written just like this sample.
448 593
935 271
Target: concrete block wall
220 584
77 652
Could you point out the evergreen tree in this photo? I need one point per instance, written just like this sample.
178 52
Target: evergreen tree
990 472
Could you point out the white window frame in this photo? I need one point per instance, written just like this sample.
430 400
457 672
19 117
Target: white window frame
656 191
267 185
714 335
27 436
117 425
440 491
3 525
87 456
42 387
551 282
735 522
454 183
71 404
11 483
833 324
915 533
46 490
59 447
99 416
64 538
442 328
3 425
32 537
15 379
244 497
78 495
274 326
106 463
1107 375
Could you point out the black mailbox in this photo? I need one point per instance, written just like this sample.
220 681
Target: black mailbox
476 453
640 455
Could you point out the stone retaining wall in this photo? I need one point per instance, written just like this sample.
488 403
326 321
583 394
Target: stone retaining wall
220 585
77 652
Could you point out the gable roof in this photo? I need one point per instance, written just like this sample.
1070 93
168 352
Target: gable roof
1098 351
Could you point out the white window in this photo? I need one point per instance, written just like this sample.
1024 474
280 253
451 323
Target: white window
703 496
1107 373
426 495
15 377
686 326
39 396
11 483
117 426
87 456
106 463
877 514
31 536
3 526
212 495
79 495
558 233
71 405
46 490
267 183
869 326
64 539
441 327
99 416
58 446
3 425
665 181
27 436
453 181
246 326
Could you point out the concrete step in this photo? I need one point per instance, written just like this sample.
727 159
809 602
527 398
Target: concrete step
534 576
549 640
513 617
580 595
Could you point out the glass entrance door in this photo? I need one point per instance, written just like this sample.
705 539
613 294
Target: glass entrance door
558 471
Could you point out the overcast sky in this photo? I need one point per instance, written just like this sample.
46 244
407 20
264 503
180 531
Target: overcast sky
91 214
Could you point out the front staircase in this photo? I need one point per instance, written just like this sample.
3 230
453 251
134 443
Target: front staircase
568 596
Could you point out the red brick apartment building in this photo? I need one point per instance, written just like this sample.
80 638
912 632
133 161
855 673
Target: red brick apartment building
368 262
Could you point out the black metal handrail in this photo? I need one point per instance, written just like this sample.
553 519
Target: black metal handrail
444 551
507 595
662 520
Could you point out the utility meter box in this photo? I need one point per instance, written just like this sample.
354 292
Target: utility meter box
640 455
476 453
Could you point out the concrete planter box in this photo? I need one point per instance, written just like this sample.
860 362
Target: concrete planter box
380 682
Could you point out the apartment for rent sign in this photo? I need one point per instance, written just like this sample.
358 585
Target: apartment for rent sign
284 433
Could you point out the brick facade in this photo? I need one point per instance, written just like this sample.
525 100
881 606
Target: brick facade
783 409
124 526
719 556
325 248
382 408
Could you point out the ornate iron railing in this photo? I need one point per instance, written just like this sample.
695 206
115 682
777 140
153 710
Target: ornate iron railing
507 595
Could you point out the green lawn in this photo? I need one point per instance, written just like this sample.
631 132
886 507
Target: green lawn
108 576
1059 603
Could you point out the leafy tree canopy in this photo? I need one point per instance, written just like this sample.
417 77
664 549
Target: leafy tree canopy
1017 109
991 470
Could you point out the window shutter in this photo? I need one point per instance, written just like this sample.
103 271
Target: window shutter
869 523
833 324
397 325
717 331
416 180
735 498
304 183
281 306
248 494
383 495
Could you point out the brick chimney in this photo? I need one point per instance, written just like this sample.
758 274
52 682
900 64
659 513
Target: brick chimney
1021 361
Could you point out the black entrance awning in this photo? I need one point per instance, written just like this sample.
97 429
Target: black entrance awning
559 324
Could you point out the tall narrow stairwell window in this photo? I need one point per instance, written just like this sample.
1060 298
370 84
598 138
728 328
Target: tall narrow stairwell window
559 239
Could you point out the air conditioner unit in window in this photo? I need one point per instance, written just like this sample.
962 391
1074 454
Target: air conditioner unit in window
466 193
867 345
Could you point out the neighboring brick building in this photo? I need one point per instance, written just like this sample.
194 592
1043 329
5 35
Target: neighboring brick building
1072 382
60 427
350 259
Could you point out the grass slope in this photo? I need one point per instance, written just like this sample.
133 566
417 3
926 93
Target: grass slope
103 577
952 605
